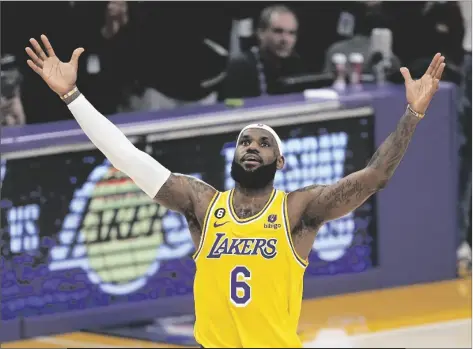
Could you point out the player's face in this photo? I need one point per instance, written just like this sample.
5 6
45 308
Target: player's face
256 148
256 159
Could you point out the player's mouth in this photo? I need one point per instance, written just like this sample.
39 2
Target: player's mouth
251 160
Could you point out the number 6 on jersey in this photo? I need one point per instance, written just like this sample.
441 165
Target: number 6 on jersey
240 291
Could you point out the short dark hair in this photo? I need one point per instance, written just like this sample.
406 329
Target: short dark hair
265 16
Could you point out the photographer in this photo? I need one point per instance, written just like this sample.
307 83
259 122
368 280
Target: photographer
11 107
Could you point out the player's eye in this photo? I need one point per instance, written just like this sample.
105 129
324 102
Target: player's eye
265 144
245 142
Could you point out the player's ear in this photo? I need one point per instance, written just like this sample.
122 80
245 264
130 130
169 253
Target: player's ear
280 162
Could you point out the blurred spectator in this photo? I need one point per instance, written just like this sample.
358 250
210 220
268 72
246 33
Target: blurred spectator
257 71
116 17
372 16
11 106
325 22
183 54
159 55
465 115
68 24
425 28
117 55
334 19
444 27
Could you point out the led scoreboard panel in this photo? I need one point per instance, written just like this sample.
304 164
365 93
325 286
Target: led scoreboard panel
78 234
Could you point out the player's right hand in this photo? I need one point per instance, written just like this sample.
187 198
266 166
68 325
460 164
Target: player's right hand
61 77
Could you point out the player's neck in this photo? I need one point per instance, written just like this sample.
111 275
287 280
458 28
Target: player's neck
241 192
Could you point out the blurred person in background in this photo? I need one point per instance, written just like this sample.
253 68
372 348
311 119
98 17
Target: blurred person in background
439 21
113 40
371 15
257 71
334 19
82 20
465 115
183 51
11 106
118 49
444 24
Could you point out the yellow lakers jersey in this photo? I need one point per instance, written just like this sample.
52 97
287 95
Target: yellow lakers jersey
249 279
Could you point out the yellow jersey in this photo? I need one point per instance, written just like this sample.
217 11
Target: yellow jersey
249 278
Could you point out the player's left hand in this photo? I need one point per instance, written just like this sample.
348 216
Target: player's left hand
419 93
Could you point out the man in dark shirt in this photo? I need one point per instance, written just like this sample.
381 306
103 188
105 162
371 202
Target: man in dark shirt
258 72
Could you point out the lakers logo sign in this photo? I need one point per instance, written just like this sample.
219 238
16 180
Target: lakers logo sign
115 232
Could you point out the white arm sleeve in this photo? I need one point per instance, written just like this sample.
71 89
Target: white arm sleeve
146 172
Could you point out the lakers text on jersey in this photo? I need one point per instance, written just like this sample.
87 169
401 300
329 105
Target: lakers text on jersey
249 278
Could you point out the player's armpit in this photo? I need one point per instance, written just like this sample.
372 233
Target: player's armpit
327 202
186 194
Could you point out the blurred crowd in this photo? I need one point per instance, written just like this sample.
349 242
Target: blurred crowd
159 55
148 55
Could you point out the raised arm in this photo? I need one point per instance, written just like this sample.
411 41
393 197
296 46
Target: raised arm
321 203
181 193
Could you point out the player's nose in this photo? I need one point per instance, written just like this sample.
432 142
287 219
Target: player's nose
252 149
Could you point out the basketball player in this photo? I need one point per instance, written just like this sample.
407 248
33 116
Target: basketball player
252 242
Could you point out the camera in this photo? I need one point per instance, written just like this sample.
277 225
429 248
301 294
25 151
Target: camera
10 76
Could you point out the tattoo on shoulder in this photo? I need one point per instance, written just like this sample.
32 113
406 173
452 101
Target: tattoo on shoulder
166 191
200 189
182 192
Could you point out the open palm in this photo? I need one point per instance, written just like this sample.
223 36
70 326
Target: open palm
419 93
61 77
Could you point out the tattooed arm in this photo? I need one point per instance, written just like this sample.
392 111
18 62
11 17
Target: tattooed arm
328 202
187 195
389 154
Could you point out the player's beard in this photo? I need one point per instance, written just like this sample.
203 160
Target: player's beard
256 179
